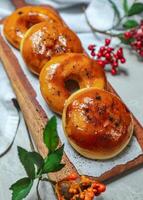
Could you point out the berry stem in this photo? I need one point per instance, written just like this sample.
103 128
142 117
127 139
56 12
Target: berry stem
99 31
118 23
37 189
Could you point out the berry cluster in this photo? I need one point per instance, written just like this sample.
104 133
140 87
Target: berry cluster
86 189
107 55
135 38
81 188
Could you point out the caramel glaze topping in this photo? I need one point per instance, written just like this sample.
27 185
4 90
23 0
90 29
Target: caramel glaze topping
46 40
71 66
97 120
16 25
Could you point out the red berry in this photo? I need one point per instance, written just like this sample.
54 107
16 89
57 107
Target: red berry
72 176
108 56
139 44
103 53
106 62
115 64
99 55
101 62
127 35
120 52
109 49
91 47
93 53
101 188
113 71
102 49
116 56
139 32
123 60
107 42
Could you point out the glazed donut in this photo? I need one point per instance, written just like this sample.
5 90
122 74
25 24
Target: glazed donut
45 40
96 123
67 67
16 25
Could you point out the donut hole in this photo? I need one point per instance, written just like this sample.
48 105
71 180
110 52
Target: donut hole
29 21
32 21
71 85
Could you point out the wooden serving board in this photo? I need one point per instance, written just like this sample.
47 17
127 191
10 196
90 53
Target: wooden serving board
36 118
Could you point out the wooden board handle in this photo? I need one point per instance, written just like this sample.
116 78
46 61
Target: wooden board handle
19 3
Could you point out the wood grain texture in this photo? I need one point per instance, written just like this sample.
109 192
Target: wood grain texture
120 169
19 3
34 115
36 118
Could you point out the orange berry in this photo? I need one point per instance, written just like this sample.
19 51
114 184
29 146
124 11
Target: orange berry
91 194
70 190
95 185
94 190
72 176
90 189
101 188
82 195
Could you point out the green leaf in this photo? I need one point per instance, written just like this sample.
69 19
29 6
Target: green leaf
52 162
37 159
125 41
130 24
125 6
59 167
136 8
50 135
21 188
27 162
115 9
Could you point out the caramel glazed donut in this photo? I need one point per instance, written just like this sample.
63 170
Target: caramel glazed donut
96 123
16 25
45 40
71 66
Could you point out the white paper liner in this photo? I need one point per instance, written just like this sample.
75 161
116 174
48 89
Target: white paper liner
83 165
